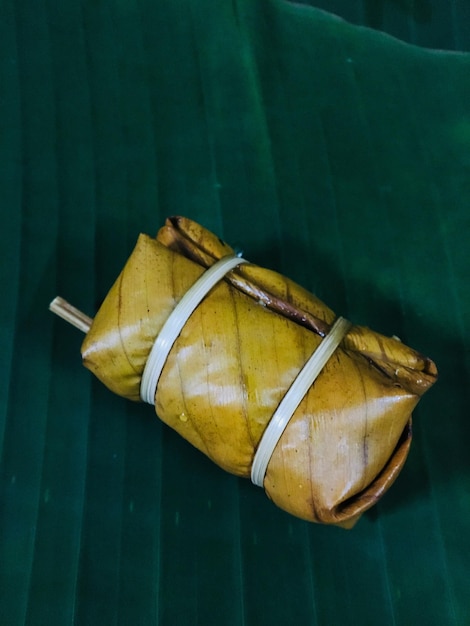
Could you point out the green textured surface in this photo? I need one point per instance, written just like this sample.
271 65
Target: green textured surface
333 153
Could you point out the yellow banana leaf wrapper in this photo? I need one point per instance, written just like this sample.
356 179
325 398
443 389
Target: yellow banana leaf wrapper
235 359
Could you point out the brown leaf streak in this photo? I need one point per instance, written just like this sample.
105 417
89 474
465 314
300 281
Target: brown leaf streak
121 338
240 369
203 255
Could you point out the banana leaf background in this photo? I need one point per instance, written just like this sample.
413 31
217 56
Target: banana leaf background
336 151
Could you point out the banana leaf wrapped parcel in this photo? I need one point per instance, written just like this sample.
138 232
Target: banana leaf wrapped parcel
232 361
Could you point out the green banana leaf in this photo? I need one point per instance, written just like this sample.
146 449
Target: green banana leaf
334 153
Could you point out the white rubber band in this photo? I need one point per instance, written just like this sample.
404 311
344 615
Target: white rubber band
176 321
294 397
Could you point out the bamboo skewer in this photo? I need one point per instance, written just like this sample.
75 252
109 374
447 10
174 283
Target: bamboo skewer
70 314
